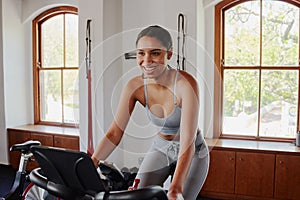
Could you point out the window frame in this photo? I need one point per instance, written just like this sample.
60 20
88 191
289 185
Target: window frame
220 9
36 56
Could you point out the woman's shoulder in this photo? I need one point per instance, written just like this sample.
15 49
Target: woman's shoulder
134 83
185 77
137 80
187 84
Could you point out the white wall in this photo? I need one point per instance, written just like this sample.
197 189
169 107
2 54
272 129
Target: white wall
17 63
3 140
90 10
105 65
113 30
208 30
32 8
15 75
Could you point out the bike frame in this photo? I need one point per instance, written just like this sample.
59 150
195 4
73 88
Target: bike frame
17 190
19 182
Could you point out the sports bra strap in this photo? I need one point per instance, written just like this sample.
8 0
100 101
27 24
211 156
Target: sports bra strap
145 91
175 81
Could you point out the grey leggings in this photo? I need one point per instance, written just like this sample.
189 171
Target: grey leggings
156 166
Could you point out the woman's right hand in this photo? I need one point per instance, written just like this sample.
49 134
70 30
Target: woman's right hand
131 188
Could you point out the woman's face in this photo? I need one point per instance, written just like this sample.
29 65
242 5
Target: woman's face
152 56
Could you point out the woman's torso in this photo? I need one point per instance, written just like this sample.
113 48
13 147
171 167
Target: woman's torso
162 103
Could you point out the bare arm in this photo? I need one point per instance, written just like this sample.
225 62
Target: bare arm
115 133
188 91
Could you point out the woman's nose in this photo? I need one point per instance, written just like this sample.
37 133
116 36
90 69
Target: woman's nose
147 58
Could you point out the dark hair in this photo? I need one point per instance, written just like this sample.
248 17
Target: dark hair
157 32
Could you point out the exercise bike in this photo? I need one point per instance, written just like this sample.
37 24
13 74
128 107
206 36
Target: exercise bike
71 175
20 185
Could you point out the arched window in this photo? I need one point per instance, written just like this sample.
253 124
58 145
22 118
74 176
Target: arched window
257 73
55 67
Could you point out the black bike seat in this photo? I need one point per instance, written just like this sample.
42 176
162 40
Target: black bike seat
25 146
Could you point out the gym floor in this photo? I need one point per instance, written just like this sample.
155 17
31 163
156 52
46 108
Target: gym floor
7 175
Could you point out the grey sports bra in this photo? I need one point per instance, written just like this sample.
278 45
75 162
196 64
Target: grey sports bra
168 125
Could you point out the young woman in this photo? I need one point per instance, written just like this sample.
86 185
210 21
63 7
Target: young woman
171 99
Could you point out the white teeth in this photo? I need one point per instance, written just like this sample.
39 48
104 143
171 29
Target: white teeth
149 68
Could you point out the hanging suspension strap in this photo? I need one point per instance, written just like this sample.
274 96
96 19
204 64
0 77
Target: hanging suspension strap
181 31
88 61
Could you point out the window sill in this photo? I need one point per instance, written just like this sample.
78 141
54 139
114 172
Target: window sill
259 146
47 129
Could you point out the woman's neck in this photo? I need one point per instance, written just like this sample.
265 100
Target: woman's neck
163 78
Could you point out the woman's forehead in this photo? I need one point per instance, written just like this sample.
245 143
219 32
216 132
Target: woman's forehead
147 42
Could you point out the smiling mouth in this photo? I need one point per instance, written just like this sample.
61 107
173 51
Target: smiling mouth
149 69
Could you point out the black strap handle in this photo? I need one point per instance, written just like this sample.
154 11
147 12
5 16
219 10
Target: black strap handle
88 46
181 31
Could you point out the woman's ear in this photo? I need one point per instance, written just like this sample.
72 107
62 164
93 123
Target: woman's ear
170 53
